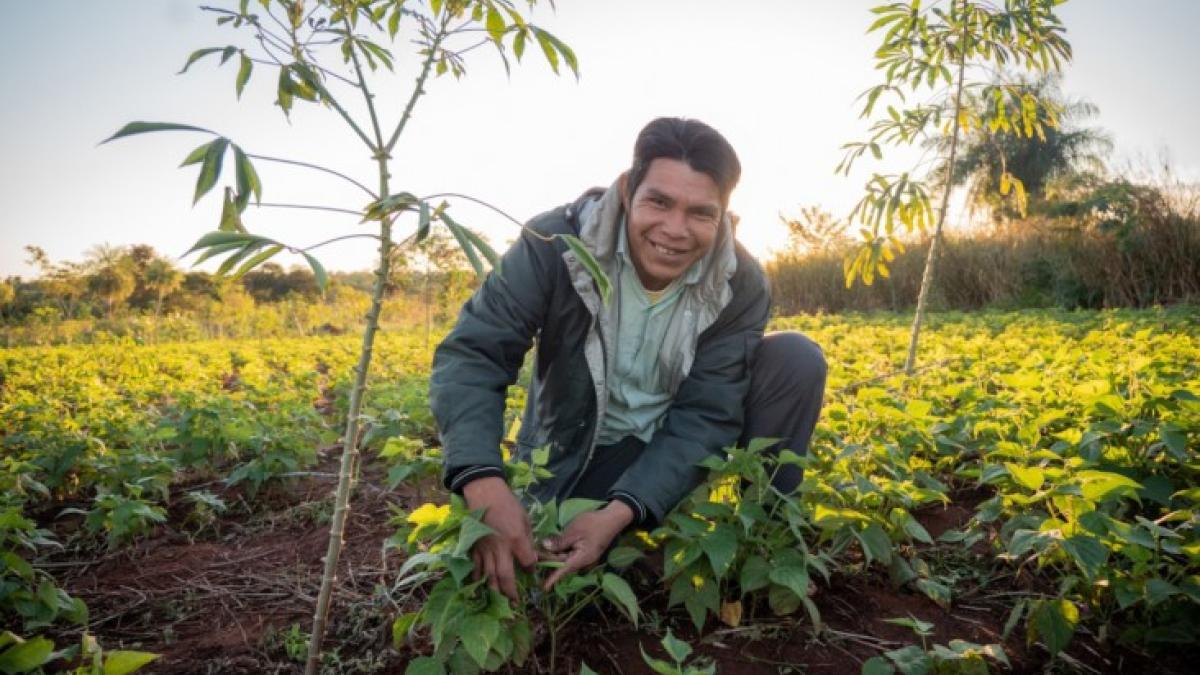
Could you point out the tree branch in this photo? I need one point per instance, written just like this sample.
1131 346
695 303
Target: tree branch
419 89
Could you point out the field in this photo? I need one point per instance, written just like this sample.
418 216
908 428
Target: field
1026 502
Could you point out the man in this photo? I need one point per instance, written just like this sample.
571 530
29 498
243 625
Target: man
631 394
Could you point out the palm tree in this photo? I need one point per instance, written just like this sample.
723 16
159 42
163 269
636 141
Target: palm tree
160 277
1068 149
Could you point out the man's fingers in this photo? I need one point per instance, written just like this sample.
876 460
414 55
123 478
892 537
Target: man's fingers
572 563
476 558
506 577
524 552
489 568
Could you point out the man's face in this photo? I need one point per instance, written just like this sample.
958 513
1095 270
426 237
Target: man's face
671 221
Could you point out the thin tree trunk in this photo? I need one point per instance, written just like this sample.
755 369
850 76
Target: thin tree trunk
337 528
931 259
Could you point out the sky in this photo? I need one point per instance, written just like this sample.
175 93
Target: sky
778 78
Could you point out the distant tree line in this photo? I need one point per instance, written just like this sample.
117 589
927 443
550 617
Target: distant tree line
1079 235
135 291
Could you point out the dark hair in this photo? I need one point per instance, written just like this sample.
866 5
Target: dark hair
693 142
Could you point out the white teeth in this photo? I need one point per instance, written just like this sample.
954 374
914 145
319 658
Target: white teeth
665 251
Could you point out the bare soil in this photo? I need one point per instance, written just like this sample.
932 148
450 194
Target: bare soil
221 598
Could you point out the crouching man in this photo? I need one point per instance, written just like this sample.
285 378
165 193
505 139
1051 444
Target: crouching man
631 394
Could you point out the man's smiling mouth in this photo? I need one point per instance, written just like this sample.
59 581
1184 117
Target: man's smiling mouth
667 251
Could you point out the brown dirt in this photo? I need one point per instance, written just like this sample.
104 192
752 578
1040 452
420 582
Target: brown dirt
220 602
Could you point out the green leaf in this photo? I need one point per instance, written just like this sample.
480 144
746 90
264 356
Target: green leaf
875 543
483 247
134 128
25 656
543 39
519 43
1053 622
123 662
243 76
792 577
1098 486
877 665
231 220
1030 477
936 591
1158 590
472 530
495 24
917 626
1089 553
624 556
425 665
1175 439
464 242
479 632
911 660
318 270
423 221
210 170
720 545
677 649
569 509
221 238
551 44
195 156
197 55
755 574
589 263
247 180
618 591
257 260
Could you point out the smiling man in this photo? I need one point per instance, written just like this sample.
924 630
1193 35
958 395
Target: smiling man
631 394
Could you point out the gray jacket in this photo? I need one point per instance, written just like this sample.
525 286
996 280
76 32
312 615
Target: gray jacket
544 293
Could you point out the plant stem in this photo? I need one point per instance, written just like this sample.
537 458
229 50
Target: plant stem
311 207
930 260
349 463
316 167
341 506
418 90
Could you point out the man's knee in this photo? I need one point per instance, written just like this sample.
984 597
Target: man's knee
795 357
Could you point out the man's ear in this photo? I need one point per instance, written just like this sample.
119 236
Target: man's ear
623 184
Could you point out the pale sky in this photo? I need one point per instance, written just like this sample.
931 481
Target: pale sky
779 78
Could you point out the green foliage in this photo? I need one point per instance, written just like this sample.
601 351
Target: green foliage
20 655
472 626
958 658
679 652
927 47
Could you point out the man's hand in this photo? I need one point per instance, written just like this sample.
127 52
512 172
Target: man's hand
586 538
513 537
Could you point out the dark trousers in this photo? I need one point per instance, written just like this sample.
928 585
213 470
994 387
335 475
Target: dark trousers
787 384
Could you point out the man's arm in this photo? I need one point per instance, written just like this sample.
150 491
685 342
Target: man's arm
472 370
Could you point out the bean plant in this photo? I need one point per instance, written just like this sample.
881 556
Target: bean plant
474 627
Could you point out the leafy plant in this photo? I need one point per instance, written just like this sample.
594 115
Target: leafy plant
927 46
679 651
292 37
20 655
958 658
472 626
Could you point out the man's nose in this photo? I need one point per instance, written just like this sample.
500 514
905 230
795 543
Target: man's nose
675 224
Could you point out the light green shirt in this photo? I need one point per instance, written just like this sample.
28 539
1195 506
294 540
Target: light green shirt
638 396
